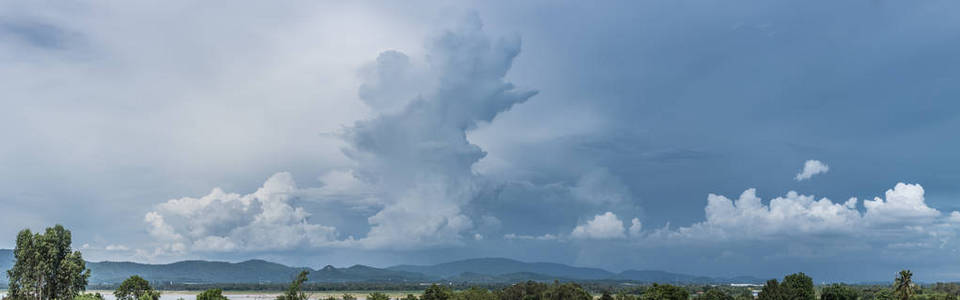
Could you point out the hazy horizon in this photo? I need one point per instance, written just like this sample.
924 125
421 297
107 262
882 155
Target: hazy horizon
708 138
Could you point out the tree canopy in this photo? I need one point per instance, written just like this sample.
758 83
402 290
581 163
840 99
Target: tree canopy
46 267
839 292
295 291
211 294
665 292
136 288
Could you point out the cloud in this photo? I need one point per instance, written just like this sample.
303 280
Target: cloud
113 247
795 215
605 226
904 204
413 162
418 155
545 237
221 221
810 168
636 227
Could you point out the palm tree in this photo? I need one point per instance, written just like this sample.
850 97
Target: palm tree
903 286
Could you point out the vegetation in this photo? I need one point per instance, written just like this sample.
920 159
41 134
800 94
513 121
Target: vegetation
665 292
378 296
903 285
715 294
796 286
839 292
46 267
87 296
211 294
295 291
136 288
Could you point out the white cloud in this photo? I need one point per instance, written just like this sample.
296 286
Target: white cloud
904 203
220 221
605 226
810 168
903 211
545 237
113 247
636 227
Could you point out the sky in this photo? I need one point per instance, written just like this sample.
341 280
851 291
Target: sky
704 137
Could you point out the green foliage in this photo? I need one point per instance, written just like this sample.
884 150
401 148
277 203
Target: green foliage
798 286
410 297
331 298
375 296
136 288
771 291
437 292
46 267
665 292
529 290
715 294
88 296
475 293
566 291
903 285
348 297
295 291
839 292
624 296
211 294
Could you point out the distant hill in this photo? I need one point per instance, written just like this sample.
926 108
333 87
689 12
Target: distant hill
480 270
364 273
499 266
194 271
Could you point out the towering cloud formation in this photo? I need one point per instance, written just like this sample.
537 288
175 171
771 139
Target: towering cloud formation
419 155
413 160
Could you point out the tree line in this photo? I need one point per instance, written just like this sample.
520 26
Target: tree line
46 268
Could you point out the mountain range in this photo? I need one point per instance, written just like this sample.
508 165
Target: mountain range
479 270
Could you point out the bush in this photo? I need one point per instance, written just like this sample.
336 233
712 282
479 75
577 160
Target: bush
211 294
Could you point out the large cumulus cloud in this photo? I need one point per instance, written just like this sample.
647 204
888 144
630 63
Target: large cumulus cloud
221 221
413 160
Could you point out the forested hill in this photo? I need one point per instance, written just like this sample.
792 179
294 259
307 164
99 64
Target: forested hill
481 270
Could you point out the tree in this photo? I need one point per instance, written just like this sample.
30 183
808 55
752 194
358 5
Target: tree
87 296
715 294
475 293
798 286
136 288
665 292
838 292
46 267
529 290
624 296
374 296
410 297
606 296
295 291
437 292
211 294
348 297
566 291
903 285
771 291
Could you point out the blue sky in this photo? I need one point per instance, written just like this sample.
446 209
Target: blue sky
706 137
